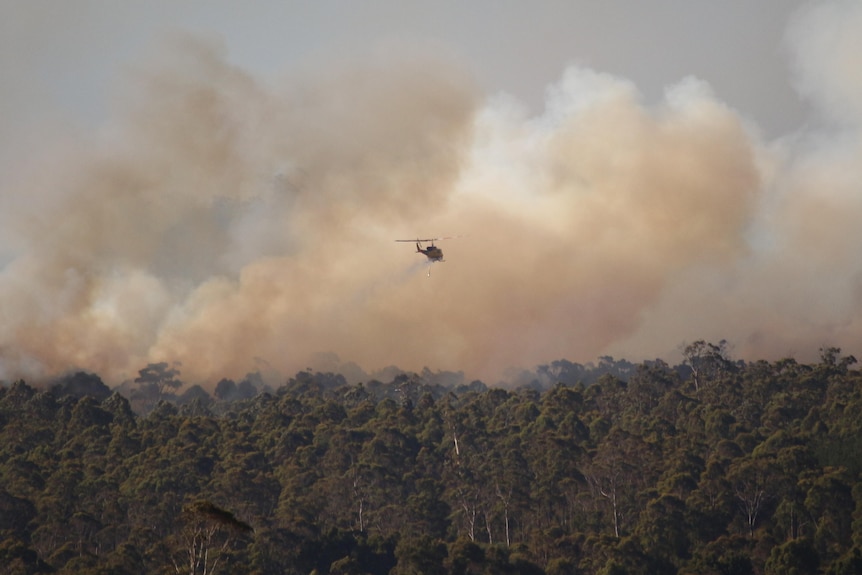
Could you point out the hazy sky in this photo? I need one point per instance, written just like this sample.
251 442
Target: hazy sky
69 56
218 183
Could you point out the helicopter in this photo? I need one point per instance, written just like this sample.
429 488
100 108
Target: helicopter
432 252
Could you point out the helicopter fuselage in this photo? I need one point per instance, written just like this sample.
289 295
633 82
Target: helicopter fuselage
432 252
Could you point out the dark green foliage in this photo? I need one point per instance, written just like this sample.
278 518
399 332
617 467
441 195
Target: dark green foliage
15 513
80 384
795 557
714 467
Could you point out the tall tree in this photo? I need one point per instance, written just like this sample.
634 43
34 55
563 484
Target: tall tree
155 379
207 534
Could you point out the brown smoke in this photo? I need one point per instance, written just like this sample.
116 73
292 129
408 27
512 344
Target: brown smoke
220 221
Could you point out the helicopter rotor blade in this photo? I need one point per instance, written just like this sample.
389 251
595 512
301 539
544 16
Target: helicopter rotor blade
432 239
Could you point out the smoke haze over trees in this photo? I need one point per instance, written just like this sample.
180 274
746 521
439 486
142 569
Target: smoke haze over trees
164 270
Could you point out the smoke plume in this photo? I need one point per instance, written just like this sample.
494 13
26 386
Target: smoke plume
224 222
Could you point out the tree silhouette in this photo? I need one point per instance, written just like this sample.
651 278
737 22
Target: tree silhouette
155 379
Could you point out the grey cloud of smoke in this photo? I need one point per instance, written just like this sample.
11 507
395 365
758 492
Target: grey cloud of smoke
825 44
220 221
799 286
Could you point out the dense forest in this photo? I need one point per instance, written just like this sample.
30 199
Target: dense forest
710 467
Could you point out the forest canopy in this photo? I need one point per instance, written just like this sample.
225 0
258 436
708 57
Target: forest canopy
713 466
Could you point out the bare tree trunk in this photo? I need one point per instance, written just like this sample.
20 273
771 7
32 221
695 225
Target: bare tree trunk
360 497
470 515
609 492
613 498
751 504
505 499
508 535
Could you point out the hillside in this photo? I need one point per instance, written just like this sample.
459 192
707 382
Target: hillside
713 467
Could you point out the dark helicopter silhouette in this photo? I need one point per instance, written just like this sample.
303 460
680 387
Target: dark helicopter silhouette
432 252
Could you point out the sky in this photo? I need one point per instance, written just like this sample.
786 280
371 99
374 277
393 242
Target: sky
219 184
